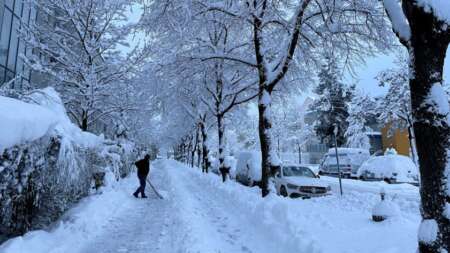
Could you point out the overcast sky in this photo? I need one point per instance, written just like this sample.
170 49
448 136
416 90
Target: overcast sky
366 74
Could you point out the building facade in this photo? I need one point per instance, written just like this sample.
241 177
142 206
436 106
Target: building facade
13 15
397 139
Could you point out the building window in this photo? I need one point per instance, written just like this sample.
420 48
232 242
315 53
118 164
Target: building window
16 13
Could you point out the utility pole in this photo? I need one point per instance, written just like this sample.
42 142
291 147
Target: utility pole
299 154
335 131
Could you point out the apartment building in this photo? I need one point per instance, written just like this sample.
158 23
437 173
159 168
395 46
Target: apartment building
13 15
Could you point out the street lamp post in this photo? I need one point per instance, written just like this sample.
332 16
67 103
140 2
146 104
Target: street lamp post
335 131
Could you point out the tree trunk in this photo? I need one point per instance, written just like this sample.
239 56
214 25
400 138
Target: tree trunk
199 150
431 129
221 133
265 139
206 163
194 148
199 156
84 121
189 150
299 154
412 144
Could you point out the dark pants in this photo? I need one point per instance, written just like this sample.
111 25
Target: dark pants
141 188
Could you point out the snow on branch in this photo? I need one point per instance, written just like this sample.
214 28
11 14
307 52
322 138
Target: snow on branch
400 23
228 58
440 8
280 71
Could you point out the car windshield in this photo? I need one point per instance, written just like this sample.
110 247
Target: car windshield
331 158
293 171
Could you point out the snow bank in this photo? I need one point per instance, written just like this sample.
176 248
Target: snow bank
328 224
269 216
249 161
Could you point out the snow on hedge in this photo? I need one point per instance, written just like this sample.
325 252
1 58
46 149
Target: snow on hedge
41 113
85 220
22 122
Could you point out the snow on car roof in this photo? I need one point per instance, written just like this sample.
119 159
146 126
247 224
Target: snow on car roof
332 151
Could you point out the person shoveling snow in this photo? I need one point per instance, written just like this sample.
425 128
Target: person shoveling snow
143 167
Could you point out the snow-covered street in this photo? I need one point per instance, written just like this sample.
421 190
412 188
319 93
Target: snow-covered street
176 126
201 214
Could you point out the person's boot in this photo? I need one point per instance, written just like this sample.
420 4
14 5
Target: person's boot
135 195
144 197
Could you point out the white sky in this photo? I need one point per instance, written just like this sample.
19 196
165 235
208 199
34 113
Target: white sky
366 74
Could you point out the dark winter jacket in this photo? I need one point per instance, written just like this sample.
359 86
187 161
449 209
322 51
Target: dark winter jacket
143 167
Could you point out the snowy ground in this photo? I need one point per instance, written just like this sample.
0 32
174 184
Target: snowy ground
200 214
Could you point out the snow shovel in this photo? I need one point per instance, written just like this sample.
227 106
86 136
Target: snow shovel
153 188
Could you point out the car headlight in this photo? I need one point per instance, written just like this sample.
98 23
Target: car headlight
292 186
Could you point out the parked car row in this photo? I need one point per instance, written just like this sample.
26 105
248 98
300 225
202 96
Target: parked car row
303 180
350 159
358 164
291 180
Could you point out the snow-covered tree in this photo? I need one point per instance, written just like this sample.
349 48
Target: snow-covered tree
77 44
356 133
423 27
271 32
394 109
331 104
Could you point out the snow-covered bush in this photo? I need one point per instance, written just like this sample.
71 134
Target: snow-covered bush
119 157
47 163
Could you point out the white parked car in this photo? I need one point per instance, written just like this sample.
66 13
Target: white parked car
300 181
248 168
350 159
392 168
